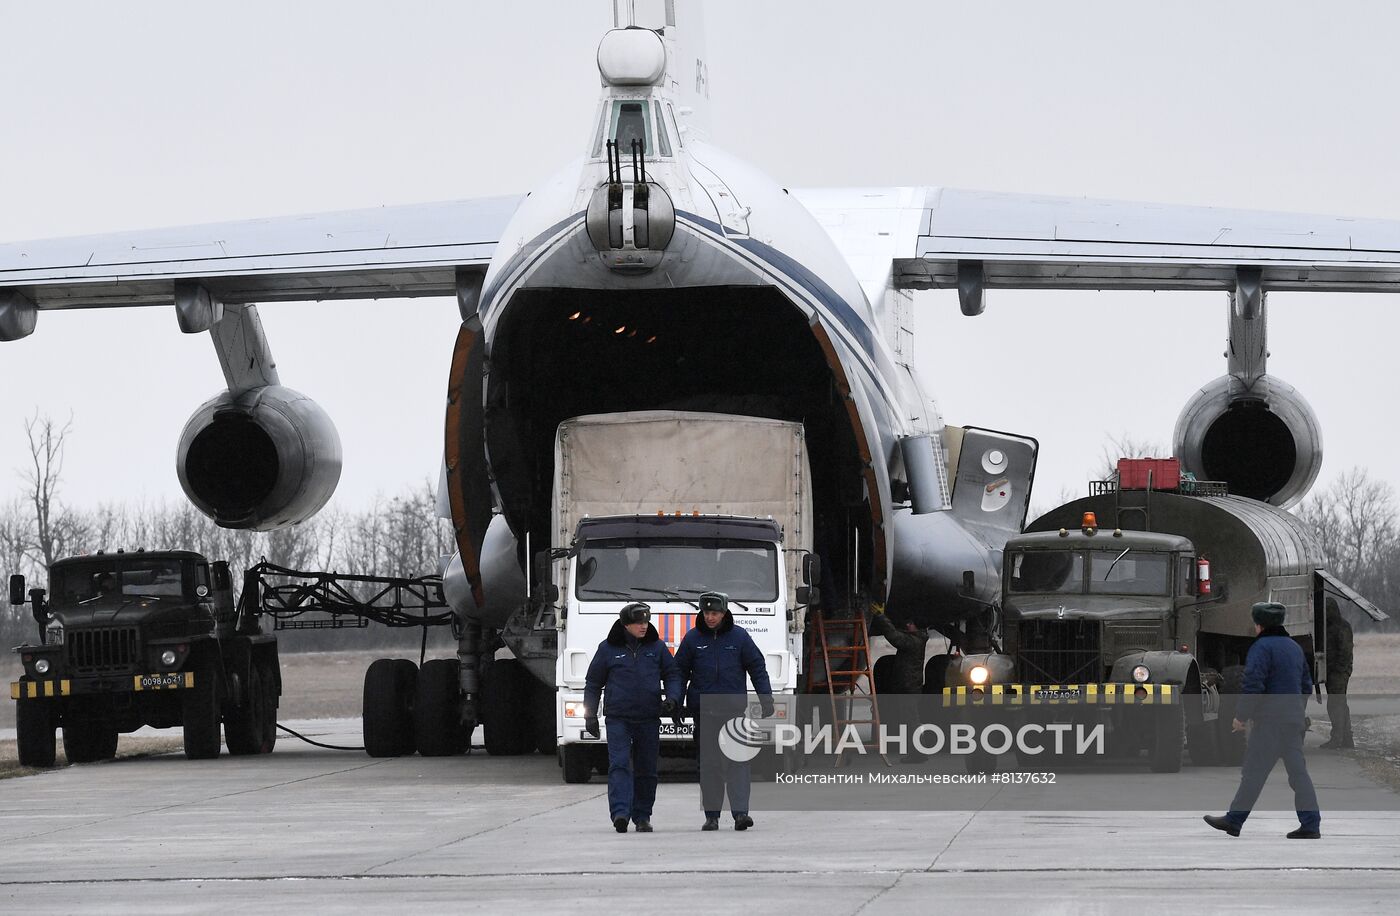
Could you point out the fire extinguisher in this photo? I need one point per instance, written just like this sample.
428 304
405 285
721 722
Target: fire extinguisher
1202 576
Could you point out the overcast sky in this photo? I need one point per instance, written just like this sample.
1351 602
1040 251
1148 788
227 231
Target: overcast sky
137 115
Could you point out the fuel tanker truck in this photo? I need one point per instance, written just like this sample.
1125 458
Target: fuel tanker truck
1131 607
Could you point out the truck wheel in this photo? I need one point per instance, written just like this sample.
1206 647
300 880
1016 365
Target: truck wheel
936 673
1168 737
1229 744
436 723
87 742
883 675
542 725
245 729
387 712
578 763
1200 734
505 709
200 715
34 727
269 683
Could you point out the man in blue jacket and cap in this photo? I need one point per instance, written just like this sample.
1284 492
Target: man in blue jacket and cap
632 663
1276 688
714 658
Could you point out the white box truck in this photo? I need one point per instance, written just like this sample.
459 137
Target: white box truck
662 506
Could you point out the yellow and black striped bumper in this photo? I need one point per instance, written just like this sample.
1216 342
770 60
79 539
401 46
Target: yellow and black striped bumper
1061 695
33 690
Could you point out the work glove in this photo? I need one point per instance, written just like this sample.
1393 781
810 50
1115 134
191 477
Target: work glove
765 707
590 726
876 609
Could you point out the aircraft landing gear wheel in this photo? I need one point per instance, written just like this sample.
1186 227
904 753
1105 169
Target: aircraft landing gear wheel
201 717
35 731
270 693
578 763
436 727
387 713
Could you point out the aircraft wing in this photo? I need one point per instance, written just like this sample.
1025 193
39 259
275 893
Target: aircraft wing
411 250
934 237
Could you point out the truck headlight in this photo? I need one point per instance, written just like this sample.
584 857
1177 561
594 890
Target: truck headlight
1141 674
167 658
978 675
574 710
42 666
53 633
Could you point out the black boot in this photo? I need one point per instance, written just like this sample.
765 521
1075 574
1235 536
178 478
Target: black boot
742 822
644 826
1303 833
620 824
711 823
1223 823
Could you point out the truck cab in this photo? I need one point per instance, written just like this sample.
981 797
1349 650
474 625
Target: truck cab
130 639
668 562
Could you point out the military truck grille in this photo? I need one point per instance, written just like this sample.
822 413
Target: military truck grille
93 651
1058 651
1119 639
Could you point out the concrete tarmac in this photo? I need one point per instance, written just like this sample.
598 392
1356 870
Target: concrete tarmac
323 831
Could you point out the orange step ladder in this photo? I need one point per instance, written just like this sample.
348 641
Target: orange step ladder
844 648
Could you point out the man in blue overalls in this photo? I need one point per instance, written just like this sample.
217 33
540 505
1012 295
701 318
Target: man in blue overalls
631 663
1276 688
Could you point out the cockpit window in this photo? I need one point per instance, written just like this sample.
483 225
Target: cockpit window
630 120
663 142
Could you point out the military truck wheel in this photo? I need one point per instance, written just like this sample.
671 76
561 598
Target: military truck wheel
578 763
269 683
505 709
244 728
34 727
388 709
1200 734
200 715
1229 744
1168 738
87 742
436 725
936 673
883 674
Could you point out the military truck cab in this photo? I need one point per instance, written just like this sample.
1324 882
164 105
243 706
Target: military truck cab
142 638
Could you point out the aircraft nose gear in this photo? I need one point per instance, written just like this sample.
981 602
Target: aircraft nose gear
630 223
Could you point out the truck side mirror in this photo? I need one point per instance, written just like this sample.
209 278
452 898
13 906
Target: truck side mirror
544 587
811 569
17 589
222 580
808 594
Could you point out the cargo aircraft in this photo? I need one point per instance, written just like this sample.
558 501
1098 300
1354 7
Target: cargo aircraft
657 270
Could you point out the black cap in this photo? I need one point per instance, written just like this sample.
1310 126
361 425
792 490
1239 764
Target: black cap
1268 613
636 612
714 601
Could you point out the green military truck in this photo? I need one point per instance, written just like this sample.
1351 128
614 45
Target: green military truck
1132 607
138 638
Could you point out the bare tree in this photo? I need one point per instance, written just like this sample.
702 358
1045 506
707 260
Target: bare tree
55 527
1126 445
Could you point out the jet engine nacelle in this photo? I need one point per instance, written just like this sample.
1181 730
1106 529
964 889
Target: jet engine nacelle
1266 442
262 459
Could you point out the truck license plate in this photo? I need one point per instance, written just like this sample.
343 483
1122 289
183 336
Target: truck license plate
671 728
165 681
1058 693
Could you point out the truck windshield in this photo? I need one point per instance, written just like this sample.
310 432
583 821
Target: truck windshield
1129 572
1052 571
114 579
645 569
